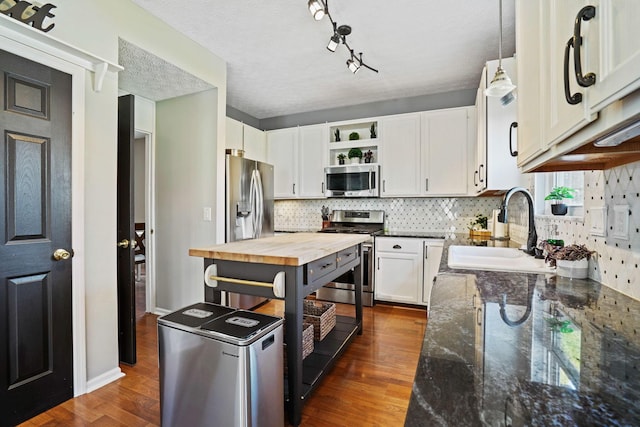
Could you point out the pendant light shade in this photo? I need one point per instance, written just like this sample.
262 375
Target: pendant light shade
501 84
317 9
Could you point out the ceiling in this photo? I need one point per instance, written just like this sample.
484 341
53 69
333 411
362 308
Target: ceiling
278 64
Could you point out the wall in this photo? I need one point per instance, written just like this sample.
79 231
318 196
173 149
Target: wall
185 155
460 98
95 27
616 261
442 215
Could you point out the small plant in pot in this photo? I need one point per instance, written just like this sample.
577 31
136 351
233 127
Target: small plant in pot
355 154
368 156
341 158
570 261
558 194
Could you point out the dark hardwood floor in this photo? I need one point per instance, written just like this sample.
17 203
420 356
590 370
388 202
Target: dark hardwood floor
369 386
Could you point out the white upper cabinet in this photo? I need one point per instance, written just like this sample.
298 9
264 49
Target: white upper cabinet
312 159
254 143
529 15
233 134
497 136
444 150
282 154
612 51
400 148
298 156
240 136
579 75
564 98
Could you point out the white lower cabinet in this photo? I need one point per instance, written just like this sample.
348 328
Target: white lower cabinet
405 267
433 255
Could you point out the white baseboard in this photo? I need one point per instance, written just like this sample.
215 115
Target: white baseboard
104 379
162 311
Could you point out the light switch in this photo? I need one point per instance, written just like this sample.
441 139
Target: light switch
598 221
621 222
206 213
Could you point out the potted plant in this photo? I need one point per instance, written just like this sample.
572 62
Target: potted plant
368 156
341 158
354 136
478 227
372 130
570 261
355 154
557 195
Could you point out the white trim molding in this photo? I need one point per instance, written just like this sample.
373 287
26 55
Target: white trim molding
35 39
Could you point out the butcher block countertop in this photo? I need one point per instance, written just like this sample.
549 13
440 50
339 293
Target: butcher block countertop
293 249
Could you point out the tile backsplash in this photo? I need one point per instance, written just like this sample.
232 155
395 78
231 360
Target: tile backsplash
410 214
617 259
615 264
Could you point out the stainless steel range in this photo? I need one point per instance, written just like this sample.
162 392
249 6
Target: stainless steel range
343 288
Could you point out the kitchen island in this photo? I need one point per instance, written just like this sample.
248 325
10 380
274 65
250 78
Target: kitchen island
526 349
307 261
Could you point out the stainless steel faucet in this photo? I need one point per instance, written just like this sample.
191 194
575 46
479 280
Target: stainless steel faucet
532 238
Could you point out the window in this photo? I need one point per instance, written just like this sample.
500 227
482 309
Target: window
545 182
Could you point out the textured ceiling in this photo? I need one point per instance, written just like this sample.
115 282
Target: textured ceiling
278 63
152 77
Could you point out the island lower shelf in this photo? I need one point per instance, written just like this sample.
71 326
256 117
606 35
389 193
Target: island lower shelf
326 353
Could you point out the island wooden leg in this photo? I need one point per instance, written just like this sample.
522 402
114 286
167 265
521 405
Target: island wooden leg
357 278
293 311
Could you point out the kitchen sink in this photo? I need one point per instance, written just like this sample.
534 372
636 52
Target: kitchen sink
495 259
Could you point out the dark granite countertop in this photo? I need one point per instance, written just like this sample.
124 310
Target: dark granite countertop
528 349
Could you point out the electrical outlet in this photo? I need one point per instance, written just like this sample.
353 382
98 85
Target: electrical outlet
621 222
206 213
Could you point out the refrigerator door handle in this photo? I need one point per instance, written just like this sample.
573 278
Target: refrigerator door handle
259 204
252 203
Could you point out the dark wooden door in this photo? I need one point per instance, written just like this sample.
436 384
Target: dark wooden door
126 233
36 342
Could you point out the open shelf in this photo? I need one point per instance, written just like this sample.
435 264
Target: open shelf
326 353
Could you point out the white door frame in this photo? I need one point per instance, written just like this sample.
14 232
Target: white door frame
31 44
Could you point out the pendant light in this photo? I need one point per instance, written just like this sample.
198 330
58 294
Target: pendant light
501 84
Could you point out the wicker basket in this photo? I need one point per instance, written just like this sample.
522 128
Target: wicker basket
322 315
307 343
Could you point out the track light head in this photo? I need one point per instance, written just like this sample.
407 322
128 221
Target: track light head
334 41
317 9
352 64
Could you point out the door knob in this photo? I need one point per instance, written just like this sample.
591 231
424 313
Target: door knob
61 254
124 244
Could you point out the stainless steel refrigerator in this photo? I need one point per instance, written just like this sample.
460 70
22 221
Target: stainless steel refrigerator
249 197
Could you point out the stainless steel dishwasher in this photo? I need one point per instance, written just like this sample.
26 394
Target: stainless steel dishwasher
220 366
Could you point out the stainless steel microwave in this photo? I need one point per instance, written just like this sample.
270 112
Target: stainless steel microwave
359 180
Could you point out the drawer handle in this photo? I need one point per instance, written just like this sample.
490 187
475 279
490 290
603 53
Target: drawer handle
397 247
326 266
338 259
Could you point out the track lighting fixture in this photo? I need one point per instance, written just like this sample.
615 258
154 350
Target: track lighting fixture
320 8
501 84
352 65
317 9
